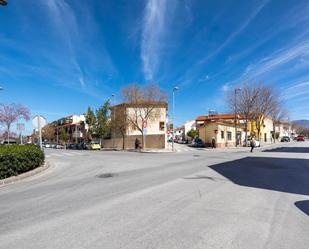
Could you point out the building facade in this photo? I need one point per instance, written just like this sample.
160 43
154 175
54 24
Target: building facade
74 126
221 127
153 127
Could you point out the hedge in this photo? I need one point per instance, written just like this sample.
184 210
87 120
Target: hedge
17 159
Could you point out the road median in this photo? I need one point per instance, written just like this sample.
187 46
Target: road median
22 176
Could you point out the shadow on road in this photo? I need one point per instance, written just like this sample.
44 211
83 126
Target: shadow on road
303 206
289 149
278 174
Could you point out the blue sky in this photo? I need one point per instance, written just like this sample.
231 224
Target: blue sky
59 57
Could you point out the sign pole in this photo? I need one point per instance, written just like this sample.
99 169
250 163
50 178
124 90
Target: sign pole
40 131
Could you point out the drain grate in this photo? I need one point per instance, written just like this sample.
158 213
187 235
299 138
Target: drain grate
106 175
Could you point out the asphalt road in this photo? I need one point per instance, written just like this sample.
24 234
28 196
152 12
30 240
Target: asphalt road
196 199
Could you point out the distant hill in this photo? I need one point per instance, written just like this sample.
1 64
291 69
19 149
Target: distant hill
303 123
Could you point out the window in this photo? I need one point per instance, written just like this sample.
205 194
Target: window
222 134
229 135
161 126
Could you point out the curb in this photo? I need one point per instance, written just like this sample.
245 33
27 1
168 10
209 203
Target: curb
151 151
22 176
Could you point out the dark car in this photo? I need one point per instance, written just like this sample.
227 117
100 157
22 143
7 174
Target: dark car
197 143
285 139
300 138
71 146
82 146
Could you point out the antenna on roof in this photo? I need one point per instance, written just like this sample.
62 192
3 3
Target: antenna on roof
212 112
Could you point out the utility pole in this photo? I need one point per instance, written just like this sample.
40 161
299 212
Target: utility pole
76 134
235 120
173 128
113 117
57 134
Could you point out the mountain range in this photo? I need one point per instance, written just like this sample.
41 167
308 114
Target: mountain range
302 122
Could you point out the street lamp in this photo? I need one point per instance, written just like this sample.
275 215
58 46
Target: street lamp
236 90
174 89
113 117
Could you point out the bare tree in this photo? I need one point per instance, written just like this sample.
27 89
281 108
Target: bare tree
266 105
11 113
255 102
119 122
279 114
48 132
143 105
245 103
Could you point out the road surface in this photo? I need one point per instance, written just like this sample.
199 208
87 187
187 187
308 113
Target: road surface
194 199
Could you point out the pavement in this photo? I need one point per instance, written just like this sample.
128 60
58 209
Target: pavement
194 199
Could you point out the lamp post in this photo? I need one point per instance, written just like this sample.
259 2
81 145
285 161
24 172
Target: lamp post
113 117
236 90
174 89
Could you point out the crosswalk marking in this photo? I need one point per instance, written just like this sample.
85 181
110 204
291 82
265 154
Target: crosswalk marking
67 154
62 154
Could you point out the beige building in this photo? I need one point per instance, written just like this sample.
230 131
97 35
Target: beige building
221 128
130 121
223 133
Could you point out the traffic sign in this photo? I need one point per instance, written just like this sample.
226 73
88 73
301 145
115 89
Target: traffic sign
144 124
38 122
20 127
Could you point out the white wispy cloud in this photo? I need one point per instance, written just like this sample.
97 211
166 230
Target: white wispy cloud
226 87
76 44
297 90
277 59
64 20
238 31
152 34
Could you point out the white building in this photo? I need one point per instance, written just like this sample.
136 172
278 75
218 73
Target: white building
189 125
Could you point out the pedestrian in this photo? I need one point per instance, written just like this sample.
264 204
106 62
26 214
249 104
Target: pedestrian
137 144
252 144
213 143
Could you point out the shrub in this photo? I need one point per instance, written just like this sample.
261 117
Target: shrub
17 159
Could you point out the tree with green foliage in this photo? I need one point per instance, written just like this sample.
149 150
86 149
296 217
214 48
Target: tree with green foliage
91 121
192 133
103 120
64 136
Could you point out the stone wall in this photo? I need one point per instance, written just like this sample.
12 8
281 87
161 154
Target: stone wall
152 142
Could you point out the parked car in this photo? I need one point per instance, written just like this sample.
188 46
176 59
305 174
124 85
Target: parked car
59 146
300 138
197 143
82 146
72 146
285 139
9 142
93 145
182 141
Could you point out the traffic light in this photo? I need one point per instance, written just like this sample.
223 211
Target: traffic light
3 2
